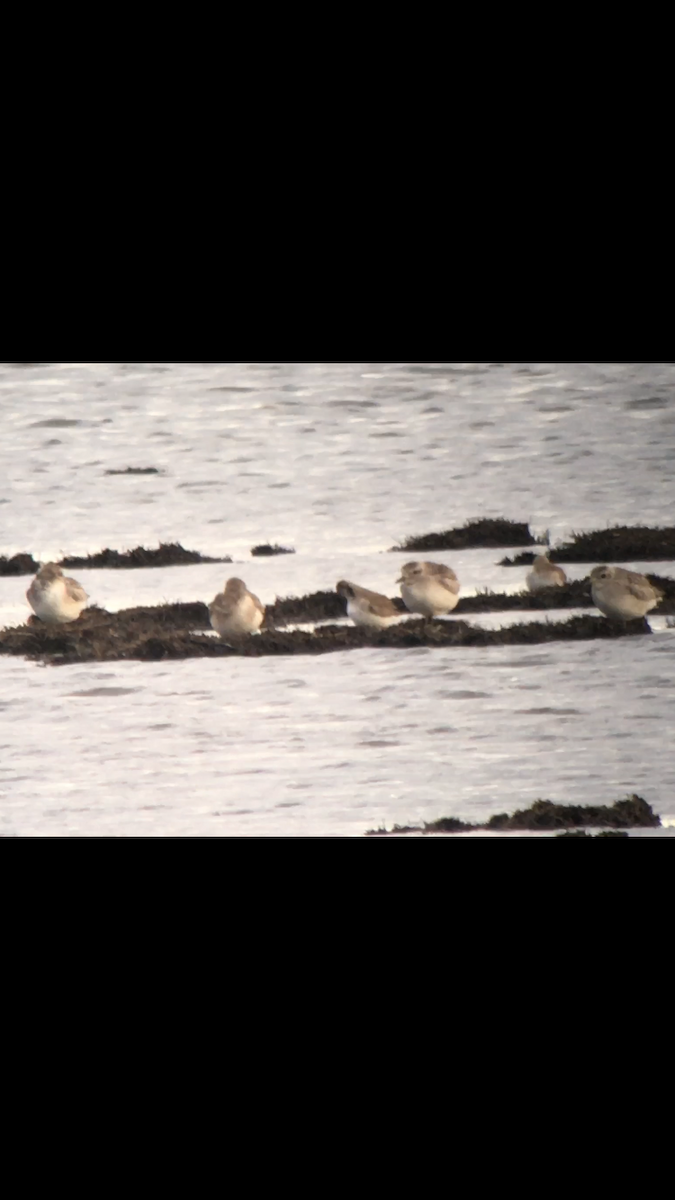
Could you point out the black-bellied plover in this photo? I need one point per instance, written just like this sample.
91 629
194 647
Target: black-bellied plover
236 611
429 588
544 574
367 608
623 594
55 598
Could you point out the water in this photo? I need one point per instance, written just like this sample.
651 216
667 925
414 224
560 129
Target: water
339 461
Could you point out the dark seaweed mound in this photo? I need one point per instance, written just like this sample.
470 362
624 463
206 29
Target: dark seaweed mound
184 614
621 543
266 551
582 833
149 634
136 471
382 832
328 606
525 559
633 812
168 555
575 594
448 825
301 610
486 531
19 564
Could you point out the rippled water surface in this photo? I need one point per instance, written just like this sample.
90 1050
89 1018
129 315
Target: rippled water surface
339 461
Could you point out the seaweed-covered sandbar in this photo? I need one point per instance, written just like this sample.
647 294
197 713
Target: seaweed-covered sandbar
167 554
619 543
328 606
482 532
544 816
99 636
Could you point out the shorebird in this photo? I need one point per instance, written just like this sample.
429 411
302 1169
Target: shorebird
623 594
55 598
544 574
429 588
236 611
367 608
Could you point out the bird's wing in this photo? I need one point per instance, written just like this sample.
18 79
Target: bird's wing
642 589
636 580
441 569
450 585
222 605
381 606
75 591
258 603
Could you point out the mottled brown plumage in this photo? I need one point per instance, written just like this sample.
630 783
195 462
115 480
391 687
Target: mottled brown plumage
235 611
545 574
367 608
54 597
429 588
623 594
